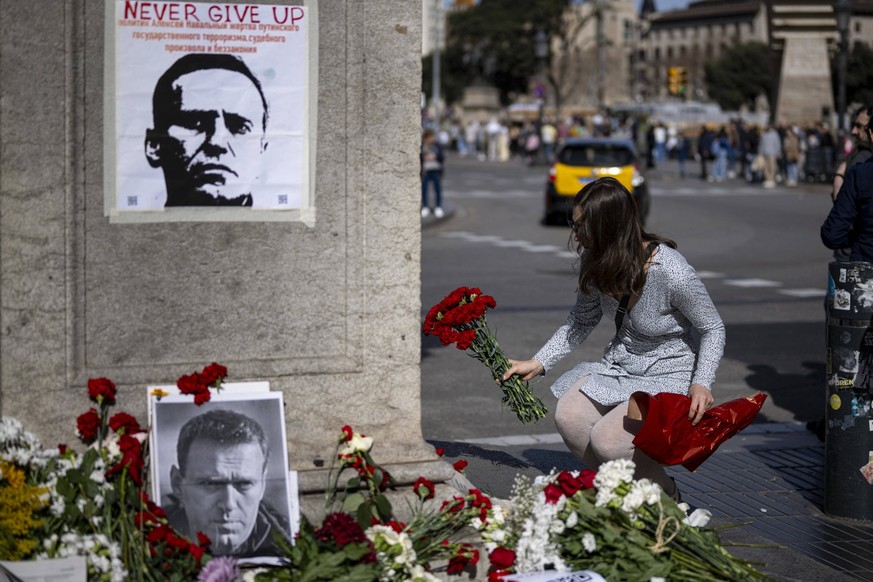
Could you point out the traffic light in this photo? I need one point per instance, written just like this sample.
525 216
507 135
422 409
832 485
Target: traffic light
677 80
673 80
683 80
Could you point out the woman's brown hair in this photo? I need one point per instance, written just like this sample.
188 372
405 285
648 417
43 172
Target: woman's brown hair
612 236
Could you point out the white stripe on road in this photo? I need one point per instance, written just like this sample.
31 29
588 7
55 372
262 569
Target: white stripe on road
748 283
715 191
531 247
802 292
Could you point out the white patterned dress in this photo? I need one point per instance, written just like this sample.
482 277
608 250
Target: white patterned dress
656 349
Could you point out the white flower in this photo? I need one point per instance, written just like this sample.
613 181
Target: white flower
657 579
572 519
698 518
613 473
589 543
357 443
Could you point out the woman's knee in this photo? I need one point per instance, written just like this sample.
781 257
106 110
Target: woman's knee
610 442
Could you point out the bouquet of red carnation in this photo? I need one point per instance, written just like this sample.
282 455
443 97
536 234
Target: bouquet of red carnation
460 319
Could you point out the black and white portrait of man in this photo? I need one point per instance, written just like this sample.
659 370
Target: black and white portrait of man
209 131
206 125
221 470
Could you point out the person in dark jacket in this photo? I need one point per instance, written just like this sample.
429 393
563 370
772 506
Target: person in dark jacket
850 221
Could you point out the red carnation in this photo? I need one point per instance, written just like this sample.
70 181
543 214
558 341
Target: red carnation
203 539
191 384
502 558
347 435
467 555
553 493
214 373
460 465
122 420
131 459
88 426
194 384
424 488
62 449
341 529
568 483
440 451
101 390
586 477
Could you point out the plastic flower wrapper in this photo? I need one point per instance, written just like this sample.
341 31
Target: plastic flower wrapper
460 319
669 437
621 528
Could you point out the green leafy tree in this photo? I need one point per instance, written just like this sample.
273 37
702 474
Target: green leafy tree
740 76
493 43
859 74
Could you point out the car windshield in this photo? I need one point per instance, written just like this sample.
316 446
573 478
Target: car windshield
596 155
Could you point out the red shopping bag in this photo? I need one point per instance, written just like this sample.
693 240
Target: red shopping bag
669 437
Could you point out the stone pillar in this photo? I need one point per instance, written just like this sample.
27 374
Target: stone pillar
805 89
328 313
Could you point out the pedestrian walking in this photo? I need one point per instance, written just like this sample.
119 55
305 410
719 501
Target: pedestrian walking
669 336
432 159
791 151
683 150
704 150
770 148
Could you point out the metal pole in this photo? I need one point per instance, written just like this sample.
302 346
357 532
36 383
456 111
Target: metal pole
842 9
601 58
437 28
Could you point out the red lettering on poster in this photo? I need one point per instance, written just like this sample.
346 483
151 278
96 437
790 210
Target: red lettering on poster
294 12
234 13
171 11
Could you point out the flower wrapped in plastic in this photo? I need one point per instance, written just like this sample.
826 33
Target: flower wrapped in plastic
460 319
669 437
606 522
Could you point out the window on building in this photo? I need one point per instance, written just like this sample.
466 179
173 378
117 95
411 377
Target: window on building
857 26
641 55
628 31
669 53
657 53
682 51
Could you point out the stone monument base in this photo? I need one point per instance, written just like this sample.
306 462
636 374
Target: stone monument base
805 89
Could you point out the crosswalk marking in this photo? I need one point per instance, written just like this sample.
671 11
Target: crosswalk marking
748 283
531 247
804 293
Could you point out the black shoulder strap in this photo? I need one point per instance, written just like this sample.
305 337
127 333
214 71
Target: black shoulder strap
621 311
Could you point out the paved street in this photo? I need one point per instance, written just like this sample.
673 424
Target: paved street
759 254
757 250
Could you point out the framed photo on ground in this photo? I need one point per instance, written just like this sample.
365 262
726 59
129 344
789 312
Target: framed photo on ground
222 469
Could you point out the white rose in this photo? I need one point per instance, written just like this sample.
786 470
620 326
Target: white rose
357 444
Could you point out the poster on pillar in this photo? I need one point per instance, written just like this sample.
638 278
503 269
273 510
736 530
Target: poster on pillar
207 110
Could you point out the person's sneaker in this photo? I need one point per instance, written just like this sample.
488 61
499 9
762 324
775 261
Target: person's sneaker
438 212
425 211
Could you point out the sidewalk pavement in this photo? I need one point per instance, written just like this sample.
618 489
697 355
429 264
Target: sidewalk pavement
765 486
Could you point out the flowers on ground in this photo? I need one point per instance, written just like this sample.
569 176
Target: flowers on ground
360 537
460 319
92 503
621 528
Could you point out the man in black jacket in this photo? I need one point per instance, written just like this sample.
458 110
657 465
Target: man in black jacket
850 221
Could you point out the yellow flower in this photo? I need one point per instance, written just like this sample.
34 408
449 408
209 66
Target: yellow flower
18 504
157 392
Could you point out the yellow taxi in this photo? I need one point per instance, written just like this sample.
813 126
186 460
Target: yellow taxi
580 161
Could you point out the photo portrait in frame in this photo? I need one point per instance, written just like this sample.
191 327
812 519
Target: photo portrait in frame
222 469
